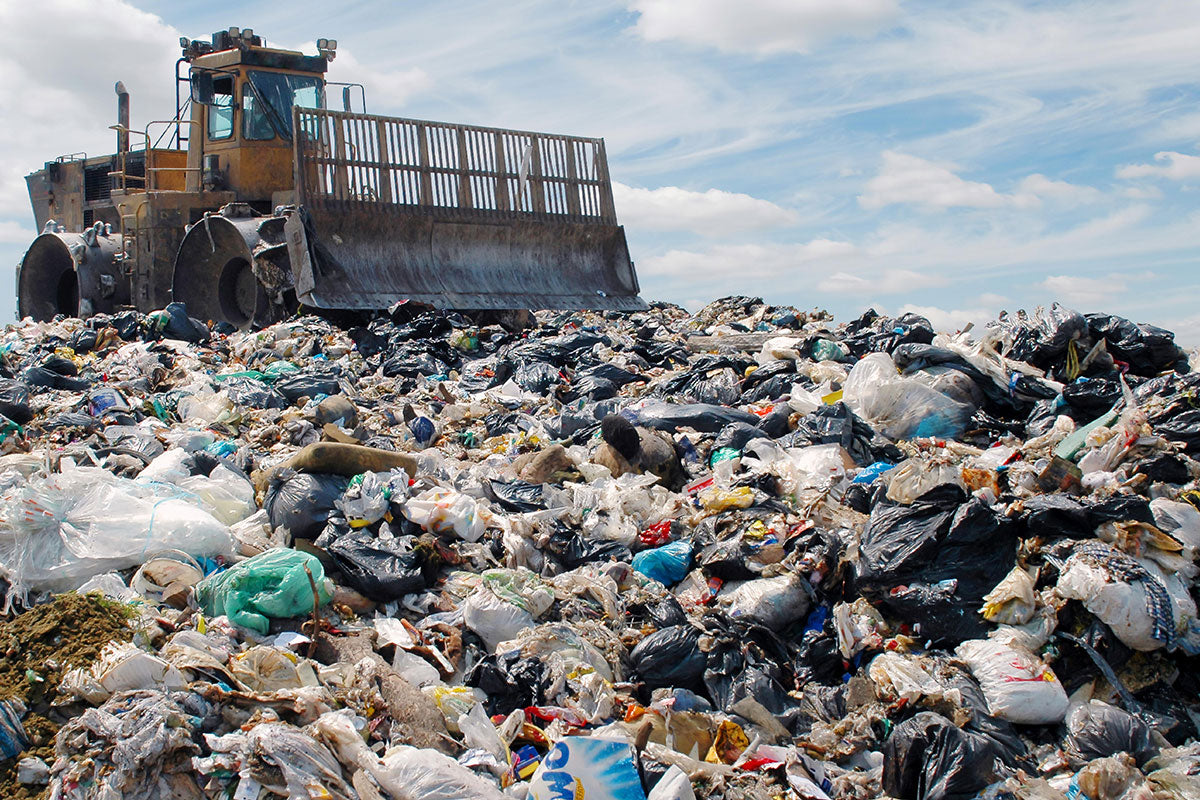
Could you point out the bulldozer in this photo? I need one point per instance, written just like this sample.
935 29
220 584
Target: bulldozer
256 199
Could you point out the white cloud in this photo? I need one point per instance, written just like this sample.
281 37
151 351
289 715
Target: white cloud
12 232
992 300
910 179
950 320
1042 188
892 281
760 26
1085 293
1173 166
710 213
739 265
913 180
1142 192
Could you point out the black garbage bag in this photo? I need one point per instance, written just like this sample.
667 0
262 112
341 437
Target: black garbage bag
663 353
573 550
1056 515
737 435
746 665
928 758
510 682
14 401
383 569
932 562
661 613
1044 343
670 657
599 382
580 424
1146 349
915 357
483 373
1183 428
418 359
703 417
368 342
181 326
1121 508
837 424
307 384
42 377
1164 467
539 378
1042 416
617 376
769 390
1088 398
1099 730
516 496
250 393
128 325
777 422
84 340
302 502
770 381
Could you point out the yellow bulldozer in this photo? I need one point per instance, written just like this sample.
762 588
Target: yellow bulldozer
256 199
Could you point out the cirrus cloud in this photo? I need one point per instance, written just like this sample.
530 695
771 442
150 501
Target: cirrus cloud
762 27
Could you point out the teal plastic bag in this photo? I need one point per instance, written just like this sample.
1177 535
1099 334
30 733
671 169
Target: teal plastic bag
667 564
269 585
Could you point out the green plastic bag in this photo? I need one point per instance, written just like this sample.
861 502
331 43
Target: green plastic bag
271 584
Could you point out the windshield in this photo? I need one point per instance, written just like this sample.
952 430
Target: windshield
281 92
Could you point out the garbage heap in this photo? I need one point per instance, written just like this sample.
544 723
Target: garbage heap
746 553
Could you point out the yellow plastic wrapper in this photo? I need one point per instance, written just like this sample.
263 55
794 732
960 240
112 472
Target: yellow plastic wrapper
715 499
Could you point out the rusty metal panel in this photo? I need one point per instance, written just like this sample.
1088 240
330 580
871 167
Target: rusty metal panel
457 216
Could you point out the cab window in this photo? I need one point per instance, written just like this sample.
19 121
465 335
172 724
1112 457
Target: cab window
268 99
220 113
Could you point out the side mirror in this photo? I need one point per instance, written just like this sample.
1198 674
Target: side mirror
202 88
346 98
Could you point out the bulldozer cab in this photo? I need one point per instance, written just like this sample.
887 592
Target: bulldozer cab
242 99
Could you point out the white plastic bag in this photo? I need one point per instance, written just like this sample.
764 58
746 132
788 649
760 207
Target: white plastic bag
444 511
494 620
903 677
404 772
773 603
1017 685
916 476
1121 605
899 407
673 785
1012 601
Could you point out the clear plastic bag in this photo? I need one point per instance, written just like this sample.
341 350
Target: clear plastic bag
65 528
899 407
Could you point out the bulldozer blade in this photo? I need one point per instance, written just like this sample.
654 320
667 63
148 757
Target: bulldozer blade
372 258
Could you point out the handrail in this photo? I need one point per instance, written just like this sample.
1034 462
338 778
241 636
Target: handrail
145 134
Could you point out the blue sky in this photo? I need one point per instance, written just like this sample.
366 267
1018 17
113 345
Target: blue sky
945 157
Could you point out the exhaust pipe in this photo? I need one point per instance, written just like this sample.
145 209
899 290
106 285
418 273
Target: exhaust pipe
122 117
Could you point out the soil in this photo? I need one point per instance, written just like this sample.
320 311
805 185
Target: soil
36 649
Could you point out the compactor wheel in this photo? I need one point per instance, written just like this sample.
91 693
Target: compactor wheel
235 269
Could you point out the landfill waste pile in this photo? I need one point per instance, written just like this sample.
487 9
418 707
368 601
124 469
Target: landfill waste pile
747 553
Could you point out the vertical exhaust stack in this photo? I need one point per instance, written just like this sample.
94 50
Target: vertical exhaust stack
122 118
